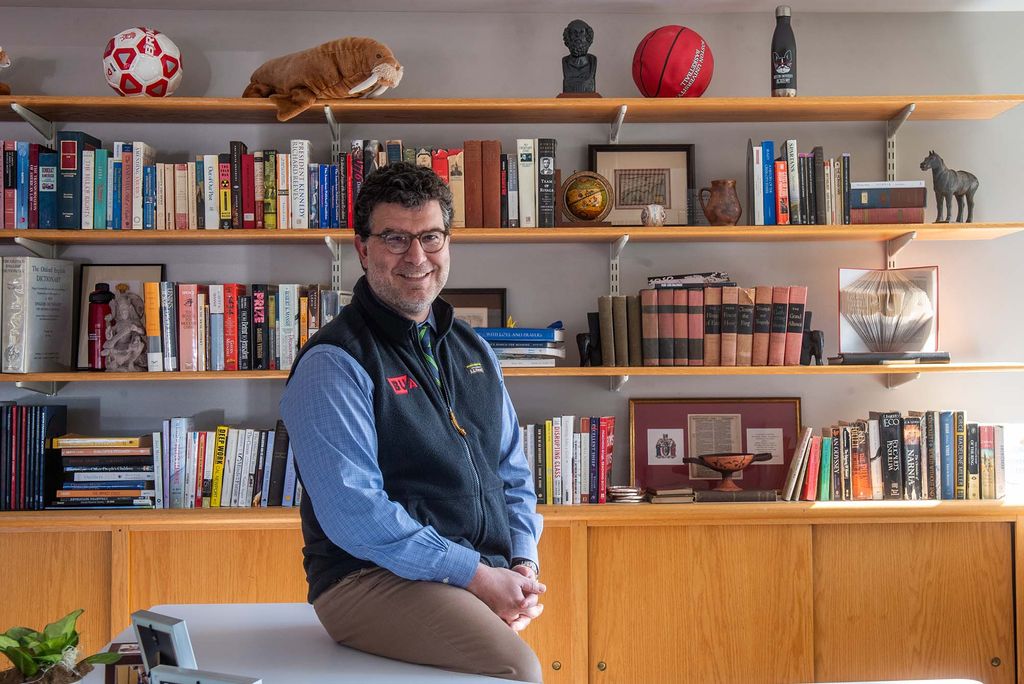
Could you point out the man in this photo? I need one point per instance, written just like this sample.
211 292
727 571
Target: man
419 515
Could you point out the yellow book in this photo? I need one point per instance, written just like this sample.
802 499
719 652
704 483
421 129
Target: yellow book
303 320
76 440
219 453
154 343
548 475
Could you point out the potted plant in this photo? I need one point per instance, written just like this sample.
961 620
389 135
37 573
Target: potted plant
50 656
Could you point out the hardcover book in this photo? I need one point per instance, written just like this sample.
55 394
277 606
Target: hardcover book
37 305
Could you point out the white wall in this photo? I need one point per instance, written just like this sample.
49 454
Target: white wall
512 55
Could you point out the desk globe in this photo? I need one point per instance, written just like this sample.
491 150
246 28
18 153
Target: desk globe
586 197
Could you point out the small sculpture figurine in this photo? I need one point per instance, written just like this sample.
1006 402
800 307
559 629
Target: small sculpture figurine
125 348
583 342
5 62
579 68
812 345
948 184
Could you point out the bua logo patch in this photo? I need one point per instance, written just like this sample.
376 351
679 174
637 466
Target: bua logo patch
401 384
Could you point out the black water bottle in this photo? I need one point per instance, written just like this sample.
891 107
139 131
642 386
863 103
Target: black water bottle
783 55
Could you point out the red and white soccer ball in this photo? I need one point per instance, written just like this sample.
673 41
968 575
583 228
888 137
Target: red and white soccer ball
673 61
142 61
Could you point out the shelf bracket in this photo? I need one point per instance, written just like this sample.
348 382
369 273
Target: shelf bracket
615 251
335 128
895 245
335 249
47 129
893 380
40 249
43 387
613 133
891 126
616 382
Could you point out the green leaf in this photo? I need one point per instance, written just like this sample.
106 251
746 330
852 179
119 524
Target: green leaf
54 645
102 659
23 661
49 658
63 627
19 632
7 642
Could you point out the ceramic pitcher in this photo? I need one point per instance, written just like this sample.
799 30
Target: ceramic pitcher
721 204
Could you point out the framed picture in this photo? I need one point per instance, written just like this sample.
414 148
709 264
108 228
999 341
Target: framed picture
479 307
662 432
162 639
648 174
131 275
165 674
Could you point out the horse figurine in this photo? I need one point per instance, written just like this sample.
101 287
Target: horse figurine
949 184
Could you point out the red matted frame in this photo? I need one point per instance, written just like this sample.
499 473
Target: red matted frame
652 418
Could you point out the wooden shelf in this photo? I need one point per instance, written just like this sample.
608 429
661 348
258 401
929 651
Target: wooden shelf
794 512
558 372
465 236
218 110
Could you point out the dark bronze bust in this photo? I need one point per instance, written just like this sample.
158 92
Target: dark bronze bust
579 68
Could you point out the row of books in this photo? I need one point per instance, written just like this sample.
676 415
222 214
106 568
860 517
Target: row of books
921 455
570 459
796 188
178 467
526 347
26 470
232 326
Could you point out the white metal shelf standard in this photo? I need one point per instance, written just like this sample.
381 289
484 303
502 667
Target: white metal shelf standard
336 151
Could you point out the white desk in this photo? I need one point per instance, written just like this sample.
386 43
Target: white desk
284 643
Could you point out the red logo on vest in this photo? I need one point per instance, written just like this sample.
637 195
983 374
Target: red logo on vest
402 384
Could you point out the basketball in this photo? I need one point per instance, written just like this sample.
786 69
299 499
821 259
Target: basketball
672 61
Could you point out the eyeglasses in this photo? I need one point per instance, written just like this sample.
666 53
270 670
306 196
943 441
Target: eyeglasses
431 241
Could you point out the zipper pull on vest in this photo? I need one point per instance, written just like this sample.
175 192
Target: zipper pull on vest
451 414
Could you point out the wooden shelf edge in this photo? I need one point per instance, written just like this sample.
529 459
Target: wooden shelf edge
838 512
563 234
145 376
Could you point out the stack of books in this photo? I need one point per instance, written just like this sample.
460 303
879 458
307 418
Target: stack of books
105 472
526 347
888 202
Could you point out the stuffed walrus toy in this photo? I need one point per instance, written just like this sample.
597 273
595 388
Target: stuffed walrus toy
347 67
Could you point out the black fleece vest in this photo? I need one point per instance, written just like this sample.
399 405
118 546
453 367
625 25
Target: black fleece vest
442 477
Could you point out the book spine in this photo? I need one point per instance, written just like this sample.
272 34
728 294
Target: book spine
695 327
745 327
188 348
818 171
284 201
779 326
795 324
912 458
845 189
890 430
781 194
680 328
987 457
960 453
713 326
666 328
768 161
794 187
757 158
606 316
473 150
887 215
730 324
973 462
649 327
634 335
546 182
762 325
47 191
88 189
503 192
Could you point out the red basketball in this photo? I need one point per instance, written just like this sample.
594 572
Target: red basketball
672 61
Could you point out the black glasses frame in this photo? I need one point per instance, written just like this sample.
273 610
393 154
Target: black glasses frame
409 237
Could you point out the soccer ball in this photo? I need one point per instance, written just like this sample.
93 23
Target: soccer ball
142 61
673 61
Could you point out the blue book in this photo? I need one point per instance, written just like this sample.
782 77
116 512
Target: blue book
48 189
109 484
768 155
99 220
268 461
333 195
217 341
521 334
201 192
592 479
149 198
946 453
288 497
323 190
115 198
69 175
825 470
21 197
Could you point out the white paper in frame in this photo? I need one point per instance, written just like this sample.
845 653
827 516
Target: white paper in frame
640 178
905 286
163 640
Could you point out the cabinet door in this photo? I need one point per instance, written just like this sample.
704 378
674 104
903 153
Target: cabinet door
557 632
215 566
914 601
717 603
46 575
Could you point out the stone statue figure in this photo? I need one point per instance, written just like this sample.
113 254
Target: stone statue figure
579 68
125 348
948 184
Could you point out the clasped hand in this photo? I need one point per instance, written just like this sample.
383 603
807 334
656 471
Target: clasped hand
513 595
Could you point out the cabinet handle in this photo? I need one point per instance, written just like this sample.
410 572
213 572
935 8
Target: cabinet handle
557 665
601 666
996 662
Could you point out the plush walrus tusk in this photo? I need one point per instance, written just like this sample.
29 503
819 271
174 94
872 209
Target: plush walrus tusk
379 91
365 84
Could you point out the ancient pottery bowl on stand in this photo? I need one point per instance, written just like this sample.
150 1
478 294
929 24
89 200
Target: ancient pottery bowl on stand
728 465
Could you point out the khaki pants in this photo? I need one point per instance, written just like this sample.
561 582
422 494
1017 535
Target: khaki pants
428 623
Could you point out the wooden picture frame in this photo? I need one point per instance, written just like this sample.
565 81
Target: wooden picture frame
648 174
664 431
479 307
134 275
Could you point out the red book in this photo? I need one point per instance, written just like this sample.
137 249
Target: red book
795 324
439 163
473 179
490 183
781 194
713 326
200 468
13 460
810 491
33 185
649 327
777 334
10 180
224 195
680 328
126 189
730 323
248 191
232 291
762 325
350 204
188 330
606 432
695 333
666 328
887 215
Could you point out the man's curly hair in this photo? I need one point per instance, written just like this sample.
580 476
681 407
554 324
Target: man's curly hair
401 183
